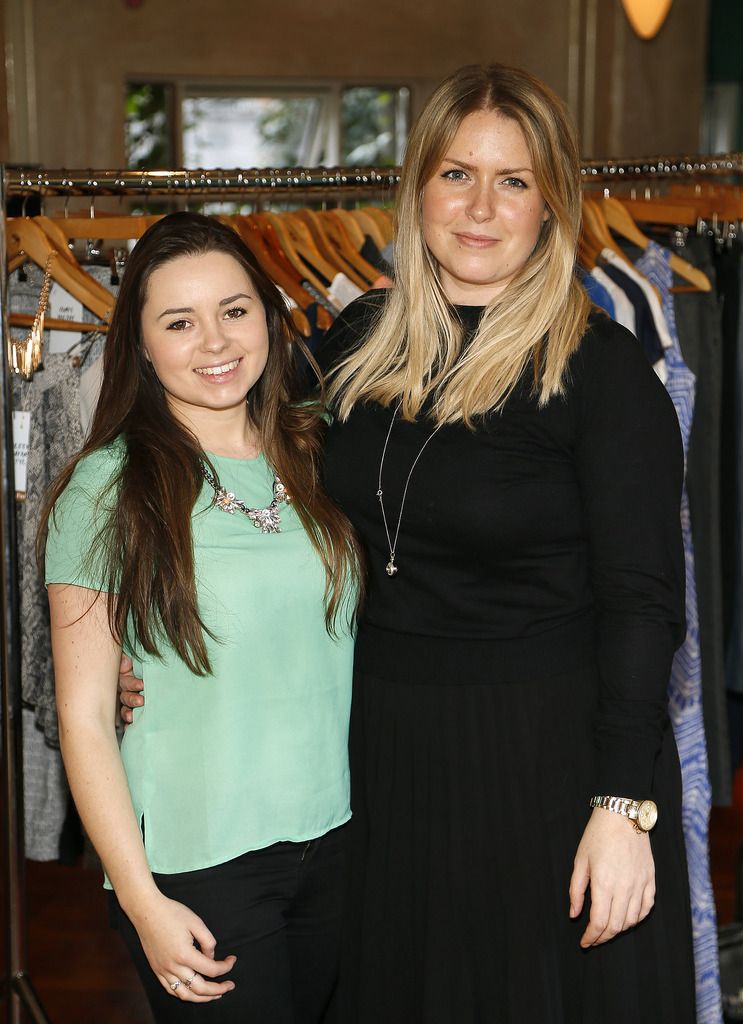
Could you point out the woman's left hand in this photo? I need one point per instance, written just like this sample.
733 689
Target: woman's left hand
618 864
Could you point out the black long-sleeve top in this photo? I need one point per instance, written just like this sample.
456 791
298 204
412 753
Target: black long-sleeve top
544 538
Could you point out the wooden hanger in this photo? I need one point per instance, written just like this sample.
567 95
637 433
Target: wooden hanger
384 220
254 241
620 220
281 271
23 233
278 239
103 226
662 211
52 324
369 226
354 232
50 228
320 237
590 245
58 240
711 199
361 273
594 219
306 246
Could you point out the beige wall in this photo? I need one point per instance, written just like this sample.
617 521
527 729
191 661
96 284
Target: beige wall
4 136
627 96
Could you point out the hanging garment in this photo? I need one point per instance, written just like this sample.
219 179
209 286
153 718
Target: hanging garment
727 265
653 302
698 328
734 657
646 326
45 793
730 280
624 311
52 399
597 293
685 688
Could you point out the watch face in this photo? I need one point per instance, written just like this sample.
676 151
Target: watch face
647 815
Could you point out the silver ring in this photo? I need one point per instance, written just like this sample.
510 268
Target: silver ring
174 984
190 980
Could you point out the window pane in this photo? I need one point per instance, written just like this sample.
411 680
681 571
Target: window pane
148 126
374 125
249 131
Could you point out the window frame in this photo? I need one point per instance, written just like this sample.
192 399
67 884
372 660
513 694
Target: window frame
329 90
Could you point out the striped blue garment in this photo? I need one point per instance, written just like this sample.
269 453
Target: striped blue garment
685 687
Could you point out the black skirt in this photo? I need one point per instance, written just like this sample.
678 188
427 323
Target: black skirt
469 800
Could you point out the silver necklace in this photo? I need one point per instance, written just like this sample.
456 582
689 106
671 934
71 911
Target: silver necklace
391 568
267 520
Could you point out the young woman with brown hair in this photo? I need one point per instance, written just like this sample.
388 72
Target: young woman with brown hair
192 533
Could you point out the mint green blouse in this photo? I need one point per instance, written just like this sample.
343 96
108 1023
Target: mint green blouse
257 752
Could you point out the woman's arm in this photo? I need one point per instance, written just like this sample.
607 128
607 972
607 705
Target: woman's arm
630 470
86 664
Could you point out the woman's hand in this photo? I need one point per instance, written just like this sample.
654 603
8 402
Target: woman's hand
618 864
130 690
168 930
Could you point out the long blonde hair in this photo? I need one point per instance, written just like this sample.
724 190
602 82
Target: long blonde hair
412 349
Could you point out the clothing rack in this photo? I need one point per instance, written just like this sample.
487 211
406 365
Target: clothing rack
685 167
335 182
254 184
339 181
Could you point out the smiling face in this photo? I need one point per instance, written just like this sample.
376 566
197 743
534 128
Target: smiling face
482 211
204 331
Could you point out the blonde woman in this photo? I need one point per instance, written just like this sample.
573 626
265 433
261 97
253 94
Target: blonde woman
514 469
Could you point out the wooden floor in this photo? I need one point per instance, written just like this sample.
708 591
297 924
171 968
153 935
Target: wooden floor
83 975
78 964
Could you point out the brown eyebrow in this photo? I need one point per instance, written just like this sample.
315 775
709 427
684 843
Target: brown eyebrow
501 171
171 312
189 309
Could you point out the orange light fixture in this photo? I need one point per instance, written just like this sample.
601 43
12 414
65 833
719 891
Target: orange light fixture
646 16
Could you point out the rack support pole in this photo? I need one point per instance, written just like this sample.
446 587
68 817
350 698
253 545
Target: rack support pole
19 992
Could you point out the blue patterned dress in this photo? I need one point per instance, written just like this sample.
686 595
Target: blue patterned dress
685 688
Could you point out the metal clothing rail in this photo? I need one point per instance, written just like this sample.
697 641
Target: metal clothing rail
234 182
341 181
715 165
256 182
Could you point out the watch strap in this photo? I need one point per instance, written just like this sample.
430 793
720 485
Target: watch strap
642 813
619 804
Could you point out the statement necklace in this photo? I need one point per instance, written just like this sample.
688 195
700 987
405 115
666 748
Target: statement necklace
267 520
391 568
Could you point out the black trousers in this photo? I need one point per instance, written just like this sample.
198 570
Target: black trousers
278 910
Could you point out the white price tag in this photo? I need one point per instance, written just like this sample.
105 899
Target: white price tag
62 306
21 440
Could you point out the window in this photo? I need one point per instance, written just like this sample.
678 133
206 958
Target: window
193 125
148 125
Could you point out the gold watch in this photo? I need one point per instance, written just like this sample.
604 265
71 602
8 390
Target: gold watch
642 813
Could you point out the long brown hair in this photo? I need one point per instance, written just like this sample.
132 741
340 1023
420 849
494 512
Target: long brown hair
412 350
145 544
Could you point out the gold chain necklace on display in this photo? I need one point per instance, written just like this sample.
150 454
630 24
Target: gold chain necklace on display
25 356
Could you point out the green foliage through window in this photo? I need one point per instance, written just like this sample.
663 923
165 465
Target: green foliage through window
148 126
